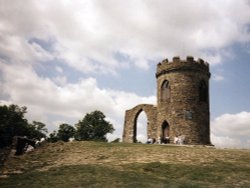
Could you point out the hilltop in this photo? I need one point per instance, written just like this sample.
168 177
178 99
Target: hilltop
97 164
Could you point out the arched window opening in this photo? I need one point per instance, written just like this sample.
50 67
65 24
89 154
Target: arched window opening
165 91
165 132
140 129
203 92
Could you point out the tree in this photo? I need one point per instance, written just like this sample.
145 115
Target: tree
53 137
12 123
37 130
93 127
65 132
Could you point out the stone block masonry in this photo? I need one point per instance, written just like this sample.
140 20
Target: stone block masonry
182 104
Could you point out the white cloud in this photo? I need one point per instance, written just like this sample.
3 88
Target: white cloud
88 33
248 142
142 138
112 137
226 142
60 80
217 77
45 98
59 69
57 123
231 130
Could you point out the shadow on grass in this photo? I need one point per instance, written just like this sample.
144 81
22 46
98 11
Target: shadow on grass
153 174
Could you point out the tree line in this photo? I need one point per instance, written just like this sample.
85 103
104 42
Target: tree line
93 126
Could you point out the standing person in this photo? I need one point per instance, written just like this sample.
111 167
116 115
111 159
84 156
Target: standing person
150 140
167 139
159 140
176 140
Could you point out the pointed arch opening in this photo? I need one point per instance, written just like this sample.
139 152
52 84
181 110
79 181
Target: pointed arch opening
203 91
165 134
165 90
141 127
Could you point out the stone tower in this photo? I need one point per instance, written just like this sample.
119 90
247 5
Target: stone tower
182 104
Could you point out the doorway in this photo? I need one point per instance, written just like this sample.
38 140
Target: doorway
165 136
140 128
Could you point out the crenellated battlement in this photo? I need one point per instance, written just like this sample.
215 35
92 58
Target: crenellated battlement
179 64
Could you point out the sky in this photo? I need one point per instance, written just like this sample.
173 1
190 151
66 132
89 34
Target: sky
62 59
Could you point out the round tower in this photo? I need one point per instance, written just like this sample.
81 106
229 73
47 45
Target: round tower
183 100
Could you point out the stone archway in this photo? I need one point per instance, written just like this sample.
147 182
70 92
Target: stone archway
129 133
139 131
165 132
165 129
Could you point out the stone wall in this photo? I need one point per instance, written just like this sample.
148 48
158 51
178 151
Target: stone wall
130 128
185 108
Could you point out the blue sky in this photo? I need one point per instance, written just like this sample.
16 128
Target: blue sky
231 95
63 59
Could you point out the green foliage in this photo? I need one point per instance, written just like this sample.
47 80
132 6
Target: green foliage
65 132
37 130
13 123
53 137
93 127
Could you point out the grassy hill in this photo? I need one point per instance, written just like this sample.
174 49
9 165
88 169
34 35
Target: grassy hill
95 164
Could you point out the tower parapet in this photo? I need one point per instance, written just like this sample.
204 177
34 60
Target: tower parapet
178 64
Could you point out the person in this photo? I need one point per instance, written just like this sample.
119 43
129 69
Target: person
176 140
22 144
159 140
150 141
37 142
181 139
167 139
29 149
153 140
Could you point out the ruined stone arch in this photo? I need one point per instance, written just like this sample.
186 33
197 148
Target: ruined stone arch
131 122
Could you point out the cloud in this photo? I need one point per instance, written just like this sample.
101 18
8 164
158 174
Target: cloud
141 138
87 34
45 98
217 77
226 142
231 130
60 80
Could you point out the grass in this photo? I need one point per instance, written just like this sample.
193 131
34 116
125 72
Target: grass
94 164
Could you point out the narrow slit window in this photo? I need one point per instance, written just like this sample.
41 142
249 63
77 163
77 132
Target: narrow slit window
203 92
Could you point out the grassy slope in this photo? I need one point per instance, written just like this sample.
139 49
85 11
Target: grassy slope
93 164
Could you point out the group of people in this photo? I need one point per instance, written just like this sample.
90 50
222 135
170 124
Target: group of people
166 140
179 139
25 145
